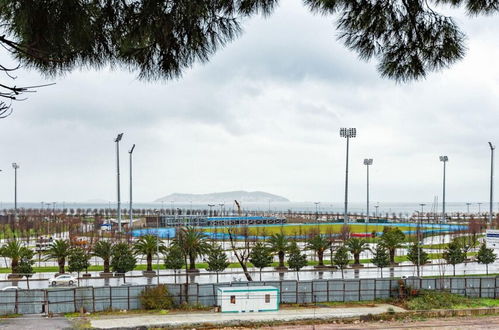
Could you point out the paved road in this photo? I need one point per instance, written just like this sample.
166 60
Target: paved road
192 319
489 322
35 322
271 275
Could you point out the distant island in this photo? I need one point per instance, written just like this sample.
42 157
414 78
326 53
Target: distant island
240 196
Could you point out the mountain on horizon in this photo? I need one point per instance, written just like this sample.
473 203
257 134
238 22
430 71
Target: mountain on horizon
242 196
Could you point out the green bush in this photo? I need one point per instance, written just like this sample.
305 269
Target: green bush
156 297
427 300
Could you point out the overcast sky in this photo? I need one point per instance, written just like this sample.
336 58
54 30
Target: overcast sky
264 114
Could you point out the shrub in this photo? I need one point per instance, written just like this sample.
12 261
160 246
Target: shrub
156 297
427 300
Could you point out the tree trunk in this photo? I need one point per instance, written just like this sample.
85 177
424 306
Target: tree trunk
356 257
454 269
61 262
320 255
106 265
342 275
487 269
174 276
392 255
217 277
14 264
298 275
149 262
260 274
381 268
246 272
192 261
281 258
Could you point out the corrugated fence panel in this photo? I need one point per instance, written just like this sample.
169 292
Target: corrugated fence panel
61 300
30 301
7 302
102 297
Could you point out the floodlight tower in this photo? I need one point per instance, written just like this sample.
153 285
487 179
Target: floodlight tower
130 152
15 166
347 133
117 140
492 148
444 159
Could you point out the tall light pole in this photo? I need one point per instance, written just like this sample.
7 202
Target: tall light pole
479 208
347 133
376 206
368 162
210 206
468 207
117 140
130 152
15 167
492 148
444 159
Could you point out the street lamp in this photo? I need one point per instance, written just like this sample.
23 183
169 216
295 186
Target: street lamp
117 140
479 208
347 133
468 207
368 162
210 206
444 159
15 167
492 148
221 208
131 191
376 206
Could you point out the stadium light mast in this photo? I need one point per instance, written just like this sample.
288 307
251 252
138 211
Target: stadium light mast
347 133
492 148
444 159
117 140
368 162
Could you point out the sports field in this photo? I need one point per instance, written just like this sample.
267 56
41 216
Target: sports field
335 228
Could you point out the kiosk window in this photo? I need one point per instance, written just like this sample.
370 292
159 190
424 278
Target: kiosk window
232 299
267 298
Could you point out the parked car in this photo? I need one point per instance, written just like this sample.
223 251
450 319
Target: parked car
11 288
62 279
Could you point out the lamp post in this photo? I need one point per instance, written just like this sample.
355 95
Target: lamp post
15 167
444 159
468 207
347 133
221 208
117 140
130 152
376 206
492 148
479 208
317 210
368 162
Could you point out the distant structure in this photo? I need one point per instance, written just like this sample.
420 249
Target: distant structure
206 221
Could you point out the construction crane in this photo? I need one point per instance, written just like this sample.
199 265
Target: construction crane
238 207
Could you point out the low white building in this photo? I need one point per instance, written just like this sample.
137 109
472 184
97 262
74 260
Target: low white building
492 239
242 299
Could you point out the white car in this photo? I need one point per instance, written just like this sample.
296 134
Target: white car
62 279
11 288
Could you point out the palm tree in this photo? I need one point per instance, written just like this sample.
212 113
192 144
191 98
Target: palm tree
103 250
319 244
149 245
280 245
13 250
193 244
356 246
58 250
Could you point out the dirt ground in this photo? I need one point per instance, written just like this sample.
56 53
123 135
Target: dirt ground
461 323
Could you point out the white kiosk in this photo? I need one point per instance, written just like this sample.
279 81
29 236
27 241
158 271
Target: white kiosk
246 299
